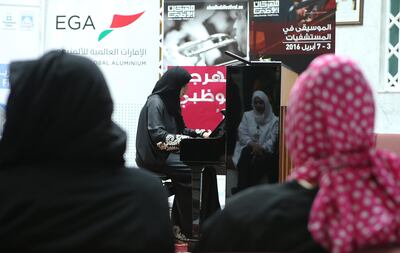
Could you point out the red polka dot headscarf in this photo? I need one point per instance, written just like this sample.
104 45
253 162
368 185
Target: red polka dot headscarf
329 133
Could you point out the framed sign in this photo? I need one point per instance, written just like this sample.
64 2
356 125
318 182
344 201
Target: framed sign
349 12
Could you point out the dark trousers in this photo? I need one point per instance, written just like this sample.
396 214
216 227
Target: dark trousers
180 175
252 169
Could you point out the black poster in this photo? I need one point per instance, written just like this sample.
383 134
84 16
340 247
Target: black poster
196 33
292 31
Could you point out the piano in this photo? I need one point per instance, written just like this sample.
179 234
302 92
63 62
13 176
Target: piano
243 79
205 150
198 153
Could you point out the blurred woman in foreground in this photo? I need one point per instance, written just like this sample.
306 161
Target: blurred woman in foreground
63 184
343 194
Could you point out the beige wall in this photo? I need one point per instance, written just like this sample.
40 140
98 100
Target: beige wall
366 44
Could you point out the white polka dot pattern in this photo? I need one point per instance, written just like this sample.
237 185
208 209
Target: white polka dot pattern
329 134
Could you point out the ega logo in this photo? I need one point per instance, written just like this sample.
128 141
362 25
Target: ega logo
75 22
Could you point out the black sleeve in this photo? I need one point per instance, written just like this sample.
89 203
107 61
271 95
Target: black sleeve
193 132
155 124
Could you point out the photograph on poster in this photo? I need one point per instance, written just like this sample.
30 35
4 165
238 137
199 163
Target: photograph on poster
196 33
349 12
308 11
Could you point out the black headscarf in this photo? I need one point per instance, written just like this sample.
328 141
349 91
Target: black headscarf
168 88
59 109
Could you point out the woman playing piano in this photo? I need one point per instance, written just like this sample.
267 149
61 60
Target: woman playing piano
159 132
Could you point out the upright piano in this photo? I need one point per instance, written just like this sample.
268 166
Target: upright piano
198 153
243 78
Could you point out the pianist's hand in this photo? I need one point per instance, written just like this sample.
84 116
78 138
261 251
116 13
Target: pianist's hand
206 134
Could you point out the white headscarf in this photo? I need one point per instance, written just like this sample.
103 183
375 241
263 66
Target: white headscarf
267 115
257 127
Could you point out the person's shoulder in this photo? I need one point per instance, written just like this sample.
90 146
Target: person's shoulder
268 203
248 114
253 198
263 209
270 191
142 180
155 101
268 196
251 207
281 191
154 98
136 172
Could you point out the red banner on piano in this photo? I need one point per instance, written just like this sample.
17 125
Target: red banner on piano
205 97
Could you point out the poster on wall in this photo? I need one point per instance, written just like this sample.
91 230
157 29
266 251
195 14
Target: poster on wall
197 32
123 39
19 24
292 31
205 98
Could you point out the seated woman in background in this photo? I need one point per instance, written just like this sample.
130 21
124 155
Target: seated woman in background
343 195
63 184
160 130
255 154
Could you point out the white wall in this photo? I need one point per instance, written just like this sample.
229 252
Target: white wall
21 2
366 44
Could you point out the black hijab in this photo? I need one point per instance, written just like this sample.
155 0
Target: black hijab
59 109
168 88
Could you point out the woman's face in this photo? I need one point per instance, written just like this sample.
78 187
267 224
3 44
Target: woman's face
240 32
259 105
183 90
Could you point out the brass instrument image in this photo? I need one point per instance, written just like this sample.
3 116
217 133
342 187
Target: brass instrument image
215 41
199 32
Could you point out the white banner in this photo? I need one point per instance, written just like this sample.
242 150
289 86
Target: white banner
122 37
20 33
